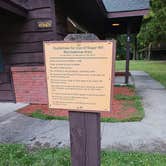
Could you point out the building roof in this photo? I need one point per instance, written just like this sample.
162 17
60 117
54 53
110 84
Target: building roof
93 16
125 5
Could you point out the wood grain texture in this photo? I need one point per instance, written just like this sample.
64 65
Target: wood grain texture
22 39
38 4
22 48
40 13
92 122
85 138
13 7
25 59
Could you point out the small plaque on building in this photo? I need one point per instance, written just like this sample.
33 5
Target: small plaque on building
80 75
44 24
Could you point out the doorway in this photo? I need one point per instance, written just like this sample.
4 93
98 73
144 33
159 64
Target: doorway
6 89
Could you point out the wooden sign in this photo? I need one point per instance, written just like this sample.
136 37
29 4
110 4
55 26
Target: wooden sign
80 75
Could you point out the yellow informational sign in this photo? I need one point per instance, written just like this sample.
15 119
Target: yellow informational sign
80 75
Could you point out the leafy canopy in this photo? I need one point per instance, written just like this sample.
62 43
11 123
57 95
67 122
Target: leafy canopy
154 25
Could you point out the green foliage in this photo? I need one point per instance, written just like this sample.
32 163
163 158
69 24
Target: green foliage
121 45
124 97
18 155
38 114
154 25
132 159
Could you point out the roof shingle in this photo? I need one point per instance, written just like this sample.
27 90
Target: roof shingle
125 5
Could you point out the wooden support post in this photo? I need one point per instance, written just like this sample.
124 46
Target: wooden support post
127 53
85 138
84 127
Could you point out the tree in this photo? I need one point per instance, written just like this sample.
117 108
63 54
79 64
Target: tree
153 29
121 45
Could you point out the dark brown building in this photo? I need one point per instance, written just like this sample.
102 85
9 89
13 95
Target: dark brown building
25 24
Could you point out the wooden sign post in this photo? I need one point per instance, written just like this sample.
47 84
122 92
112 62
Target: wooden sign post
79 79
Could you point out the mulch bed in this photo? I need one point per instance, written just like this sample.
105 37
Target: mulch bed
119 112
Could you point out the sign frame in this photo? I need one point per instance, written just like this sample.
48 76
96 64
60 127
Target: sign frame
112 74
44 24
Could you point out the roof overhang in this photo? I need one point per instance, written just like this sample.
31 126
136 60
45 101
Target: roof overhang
123 19
13 8
136 13
93 16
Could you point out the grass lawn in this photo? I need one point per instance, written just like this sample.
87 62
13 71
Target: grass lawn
18 155
156 69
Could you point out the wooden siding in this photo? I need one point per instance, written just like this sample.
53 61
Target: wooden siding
21 41
12 7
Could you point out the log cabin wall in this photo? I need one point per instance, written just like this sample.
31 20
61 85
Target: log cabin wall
21 40
21 44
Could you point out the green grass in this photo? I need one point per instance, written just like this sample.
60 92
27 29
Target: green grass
136 103
124 97
38 114
18 155
156 69
132 159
